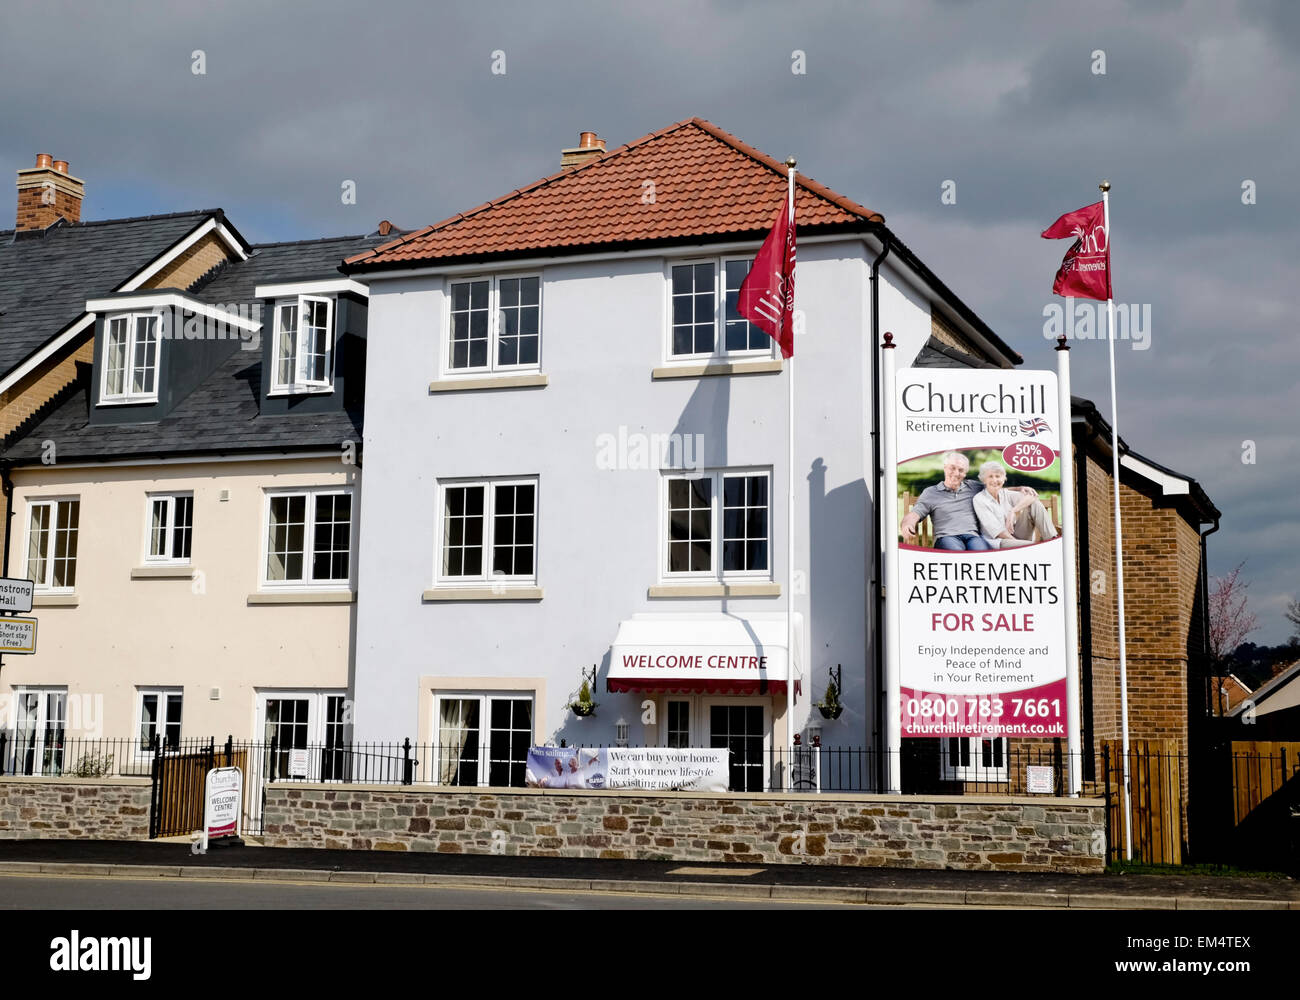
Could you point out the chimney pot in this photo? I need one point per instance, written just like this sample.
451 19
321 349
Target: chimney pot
589 147
47 193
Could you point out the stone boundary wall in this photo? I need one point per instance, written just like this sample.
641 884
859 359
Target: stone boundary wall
74 808
963 832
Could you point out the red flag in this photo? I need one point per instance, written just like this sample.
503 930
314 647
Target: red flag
766 296
1085 271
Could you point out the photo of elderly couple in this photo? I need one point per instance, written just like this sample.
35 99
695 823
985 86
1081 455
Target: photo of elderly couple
970 501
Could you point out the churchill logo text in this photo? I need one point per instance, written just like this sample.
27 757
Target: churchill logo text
75 953
1022 400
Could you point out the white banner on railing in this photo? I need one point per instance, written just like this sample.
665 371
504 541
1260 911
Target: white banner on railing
648 768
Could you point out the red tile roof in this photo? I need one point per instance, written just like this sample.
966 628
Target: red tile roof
706 183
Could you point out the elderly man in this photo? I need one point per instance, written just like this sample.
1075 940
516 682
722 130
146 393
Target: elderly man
950 505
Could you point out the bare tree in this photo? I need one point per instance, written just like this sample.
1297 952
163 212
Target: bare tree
1293 616
1230 622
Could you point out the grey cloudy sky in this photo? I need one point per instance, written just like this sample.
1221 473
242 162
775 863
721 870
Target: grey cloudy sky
897 98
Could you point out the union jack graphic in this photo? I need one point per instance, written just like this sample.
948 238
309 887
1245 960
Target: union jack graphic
1032 428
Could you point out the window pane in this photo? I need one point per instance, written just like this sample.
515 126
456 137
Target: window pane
148 719
462 531
158 527
314 342
331 538
144 366
744 521
741 334
286 334
183 514
38 544
287 531
64 566
689 525
115 357
172 733
513 529
693 308
469 324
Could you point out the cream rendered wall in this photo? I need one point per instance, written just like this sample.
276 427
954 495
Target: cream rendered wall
195 634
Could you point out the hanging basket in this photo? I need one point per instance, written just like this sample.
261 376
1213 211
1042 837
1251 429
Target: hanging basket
831 711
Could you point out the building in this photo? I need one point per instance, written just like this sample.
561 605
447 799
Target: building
576 460
186 501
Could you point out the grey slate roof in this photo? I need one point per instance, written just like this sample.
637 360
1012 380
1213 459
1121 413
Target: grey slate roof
279 262
222 416
46 280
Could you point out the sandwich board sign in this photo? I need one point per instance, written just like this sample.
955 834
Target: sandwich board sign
223 798
17 635
16 595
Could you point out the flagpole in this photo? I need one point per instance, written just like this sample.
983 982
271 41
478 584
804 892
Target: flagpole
789 604
1119 536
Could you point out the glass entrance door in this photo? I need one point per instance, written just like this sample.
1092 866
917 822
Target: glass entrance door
38 732
740 729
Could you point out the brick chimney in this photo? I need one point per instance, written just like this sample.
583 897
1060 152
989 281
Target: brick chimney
46 193
588 148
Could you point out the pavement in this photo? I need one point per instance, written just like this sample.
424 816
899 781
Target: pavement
803 883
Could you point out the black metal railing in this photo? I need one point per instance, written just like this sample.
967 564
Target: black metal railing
1157 830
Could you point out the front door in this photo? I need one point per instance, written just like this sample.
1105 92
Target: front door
303 720
741 729
38 732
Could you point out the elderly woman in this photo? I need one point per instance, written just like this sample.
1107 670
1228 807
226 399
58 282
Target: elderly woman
1008 518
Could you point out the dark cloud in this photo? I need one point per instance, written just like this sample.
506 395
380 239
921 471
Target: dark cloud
400 97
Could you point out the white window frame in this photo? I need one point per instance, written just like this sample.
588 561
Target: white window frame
719 352
318 700
300 347
975 771
489 528
716 572
12 747
166 556
44 585
164 695
309 538
495 326
127 395
484 698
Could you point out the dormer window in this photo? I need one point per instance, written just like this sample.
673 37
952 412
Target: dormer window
304 338
131 359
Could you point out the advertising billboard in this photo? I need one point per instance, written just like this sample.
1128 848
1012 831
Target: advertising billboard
981 613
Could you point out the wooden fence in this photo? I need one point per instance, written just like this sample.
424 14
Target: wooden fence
1156 801
1260 770
178 786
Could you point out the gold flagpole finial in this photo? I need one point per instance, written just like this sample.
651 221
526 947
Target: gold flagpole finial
791 162
1104 186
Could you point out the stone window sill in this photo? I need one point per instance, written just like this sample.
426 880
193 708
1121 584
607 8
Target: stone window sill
489 382
180 572
484 594
715 590
763 367
55 600
304 597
